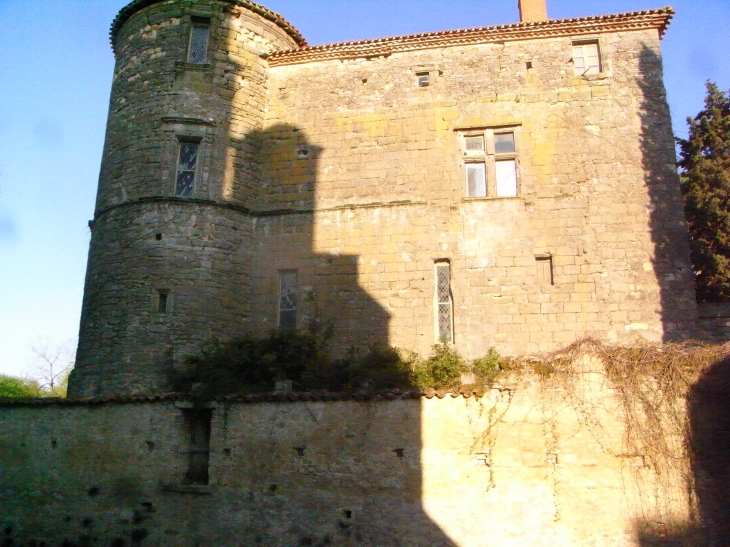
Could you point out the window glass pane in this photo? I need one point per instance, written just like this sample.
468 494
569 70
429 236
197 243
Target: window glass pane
506 178
444 319
188 156
288 300
476 180
504 143
474 144
444 304
592 62
198 44
187 162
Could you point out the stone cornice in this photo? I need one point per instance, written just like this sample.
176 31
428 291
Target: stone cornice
130 9
382 47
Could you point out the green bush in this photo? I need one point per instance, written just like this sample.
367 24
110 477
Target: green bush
250 364
488 367
442 370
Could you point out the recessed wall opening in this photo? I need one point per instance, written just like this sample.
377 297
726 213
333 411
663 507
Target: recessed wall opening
423 79
544 270
163 300
198 424
158 237
444 303
198 45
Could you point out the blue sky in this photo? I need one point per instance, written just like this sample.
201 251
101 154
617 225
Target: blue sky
55 78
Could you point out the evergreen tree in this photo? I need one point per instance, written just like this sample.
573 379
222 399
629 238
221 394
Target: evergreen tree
705 164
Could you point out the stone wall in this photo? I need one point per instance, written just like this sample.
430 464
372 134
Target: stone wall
598 192
529 464
714 320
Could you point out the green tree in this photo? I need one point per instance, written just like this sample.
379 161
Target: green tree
705 164
16 387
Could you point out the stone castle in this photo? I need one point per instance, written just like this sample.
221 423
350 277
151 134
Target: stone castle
510 186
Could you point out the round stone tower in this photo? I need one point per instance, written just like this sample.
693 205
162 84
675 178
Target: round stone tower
168 261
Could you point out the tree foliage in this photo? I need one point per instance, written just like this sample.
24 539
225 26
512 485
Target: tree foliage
12 387
705 164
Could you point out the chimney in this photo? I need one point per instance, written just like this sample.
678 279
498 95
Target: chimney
533 10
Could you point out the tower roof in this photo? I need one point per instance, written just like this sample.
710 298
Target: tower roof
136 5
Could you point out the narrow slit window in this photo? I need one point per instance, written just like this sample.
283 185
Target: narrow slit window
186 168
198 423
586 58
288 299
444 304
544 266
198 48
163 301
476 180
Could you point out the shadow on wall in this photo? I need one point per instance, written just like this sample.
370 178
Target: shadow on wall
709 437
671 262
292 285
326 295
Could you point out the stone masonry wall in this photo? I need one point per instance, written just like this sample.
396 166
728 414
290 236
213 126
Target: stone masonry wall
197 255
523 466
598 192
144 240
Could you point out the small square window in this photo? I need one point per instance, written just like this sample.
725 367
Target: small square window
504 143
186 168
586 58
198 48
424 79
476 180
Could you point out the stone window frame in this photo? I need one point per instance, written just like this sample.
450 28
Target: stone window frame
489 157
177 131
156 298
429 73
199 22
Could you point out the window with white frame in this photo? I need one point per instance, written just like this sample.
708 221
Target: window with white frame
586 58
198 46
444 303
187 164
490 162
288 299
